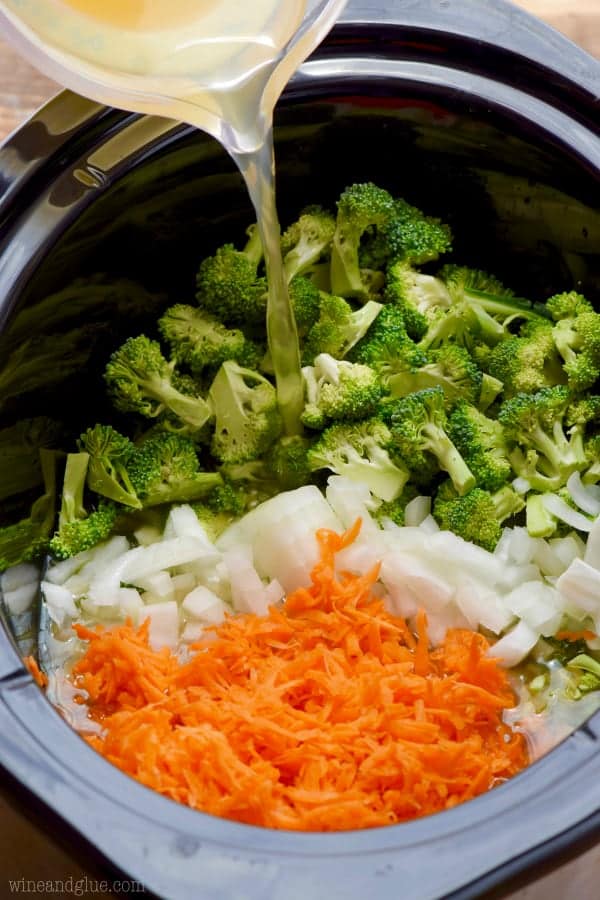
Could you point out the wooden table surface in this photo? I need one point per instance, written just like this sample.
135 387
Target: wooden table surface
25 851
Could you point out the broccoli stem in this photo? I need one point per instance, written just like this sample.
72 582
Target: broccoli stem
72 507
540 524
450 459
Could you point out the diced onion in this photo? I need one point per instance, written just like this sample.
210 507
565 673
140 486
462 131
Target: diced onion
164 625
584 496
514 646
521 486
557 507
417 511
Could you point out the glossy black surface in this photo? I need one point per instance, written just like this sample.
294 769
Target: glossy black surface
424 98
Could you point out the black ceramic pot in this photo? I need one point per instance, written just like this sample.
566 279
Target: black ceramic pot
469 108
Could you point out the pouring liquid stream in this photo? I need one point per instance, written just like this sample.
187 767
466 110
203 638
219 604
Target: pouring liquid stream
219 65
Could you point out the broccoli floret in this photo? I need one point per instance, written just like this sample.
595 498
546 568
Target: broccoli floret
416 295
583 410
199 340
229 286
339 391
247 418
412 236
221 508
577 340
395 510
256 479
28 539
361 452
360 207
419 431
387 348
288 460
83 534
408 235
461 280
141 380
527 363
165 469
339 328
305 298
109 455
451 368
481 442
307 240
20 446
78 529
478 515
475 317
539 449
568 305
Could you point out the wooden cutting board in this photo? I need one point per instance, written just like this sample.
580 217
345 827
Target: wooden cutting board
26 850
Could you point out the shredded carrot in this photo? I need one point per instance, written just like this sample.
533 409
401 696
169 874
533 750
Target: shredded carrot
327 714
584 635
36 673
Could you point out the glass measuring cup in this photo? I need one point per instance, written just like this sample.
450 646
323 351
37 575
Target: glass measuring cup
229 93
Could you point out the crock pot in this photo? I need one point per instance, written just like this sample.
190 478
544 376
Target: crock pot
473 110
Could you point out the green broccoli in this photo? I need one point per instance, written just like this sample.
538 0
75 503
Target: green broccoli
528 362
339 391
83 534
338 328
387 348
20 446
568 305
165 469
360 207
307 240
451 368
416 295
395 510
539 449
540 522
109 455
247 418
78 529
482 444
288 461
141 380
223 505
412 236
478 515
27 539
200 341
305 298
577 340
229 286
361 452
419 431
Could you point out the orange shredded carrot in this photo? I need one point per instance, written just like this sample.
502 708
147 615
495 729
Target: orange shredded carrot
324 715
584 635
34 670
